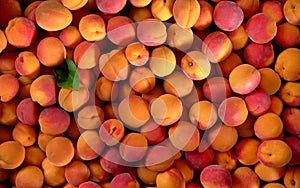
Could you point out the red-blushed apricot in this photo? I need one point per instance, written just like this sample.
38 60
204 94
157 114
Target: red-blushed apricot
9 87
8 112
124 180
24 177
145 175
137 54
233 111
70 36
287 35
133 147
20 32
43 140
6 134
273 9
266 130
205 17
10 10
276 105
61 17
120 30
244 79
171 177
7 63
178 84
142 80
86 54
290 119
71 100
12 154
226 66
259 55
138 14
244 177
140 3
114 65
268 76
239 37
268 174
110 7
184 136
249 7
216 89
74 5
203 114
27 64
111 131
217 46
89 145
222 21
215 176
258 102
179 38
186 13
89 184
76 172
261 28
288 71
294 144
3 40
159 163
291 13
29 11
51 51
92 27
133 111
111 161
218 140
33 156
60 151
161 10
228 159
162 61
53 175
54 120
195 65
246 150
151 32
291 177
90 117
289 93
25 134
153 132
97 173
274 153
162 109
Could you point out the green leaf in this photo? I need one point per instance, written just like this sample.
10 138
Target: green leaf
68 78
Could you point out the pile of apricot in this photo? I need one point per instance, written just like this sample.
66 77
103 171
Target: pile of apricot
150 93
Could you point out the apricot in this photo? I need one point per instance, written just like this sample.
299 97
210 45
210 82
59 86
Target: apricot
89 145
252 51
53 175
289 93
269 75
111 161
205 17
221 19
34 156
215 175
195 65
268 174
20 32
171 177
288 71
290 11
133 147
110 7
159 163
25 134
60 151
74 5
76 172
162 109
218 140
27 64
226 66
246 150
86 55
249 7
137 54
216 89
7 63
142 80
186 13
273 9
124 180
161 10
92 27
180 39
11 9
162 61
24 177
89 184
294 144
61 17
227 159
291 177
276 105
138 14
290 117
8 112
90 117
258 102
43 140
97 173
287 35
272 156
244 177
239 37
244 79
12 154
262 124
3 40
10 87
114 65
154 133
70 36
145 175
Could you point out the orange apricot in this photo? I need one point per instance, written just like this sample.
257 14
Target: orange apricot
290 11
142 80
10 87
90 117
288 71
25 134
111 131
74 5
161 10
24 177
34 156
53 175
70 36
268 174
265 130
246 150
186 13
76 172
3 40
12 154
27 64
